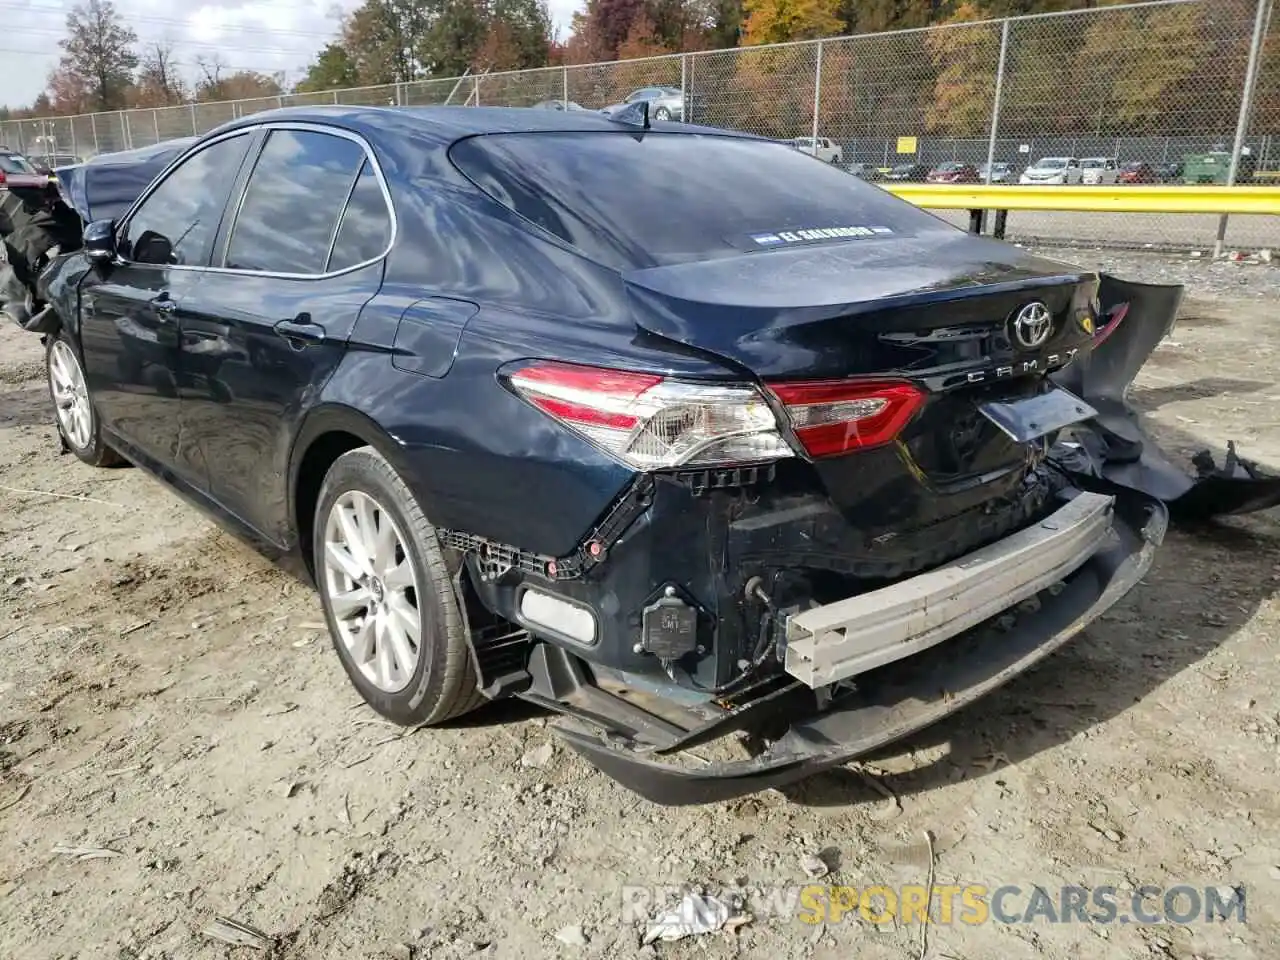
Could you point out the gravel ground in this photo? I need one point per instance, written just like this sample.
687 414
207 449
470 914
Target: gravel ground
171 697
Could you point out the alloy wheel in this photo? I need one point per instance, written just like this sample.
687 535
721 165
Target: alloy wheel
70 396
372 589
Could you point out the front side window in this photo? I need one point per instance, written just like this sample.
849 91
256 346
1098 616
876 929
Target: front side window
176 224
292 203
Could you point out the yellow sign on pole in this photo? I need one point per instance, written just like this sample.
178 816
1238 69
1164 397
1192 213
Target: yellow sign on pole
906 144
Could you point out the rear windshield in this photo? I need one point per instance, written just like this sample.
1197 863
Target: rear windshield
631 200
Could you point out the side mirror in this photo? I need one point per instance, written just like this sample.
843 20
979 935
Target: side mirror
100 241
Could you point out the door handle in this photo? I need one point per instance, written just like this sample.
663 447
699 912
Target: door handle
163 305
300 330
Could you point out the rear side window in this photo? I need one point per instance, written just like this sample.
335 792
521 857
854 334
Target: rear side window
365 230
632 200
291 206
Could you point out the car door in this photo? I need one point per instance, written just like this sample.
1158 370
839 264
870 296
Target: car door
1073 173
131 307
295 264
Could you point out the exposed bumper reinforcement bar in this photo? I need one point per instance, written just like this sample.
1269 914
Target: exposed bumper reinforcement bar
850 637
906 695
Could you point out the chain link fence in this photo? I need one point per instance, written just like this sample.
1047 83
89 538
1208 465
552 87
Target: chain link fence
1165 92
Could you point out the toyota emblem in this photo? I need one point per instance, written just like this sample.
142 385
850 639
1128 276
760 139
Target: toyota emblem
1032 325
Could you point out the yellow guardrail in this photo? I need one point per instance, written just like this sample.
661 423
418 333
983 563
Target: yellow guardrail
1124 198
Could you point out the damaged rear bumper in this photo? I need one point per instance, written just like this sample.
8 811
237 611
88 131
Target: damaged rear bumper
906 695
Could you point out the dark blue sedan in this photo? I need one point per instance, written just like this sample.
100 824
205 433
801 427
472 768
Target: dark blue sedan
667 429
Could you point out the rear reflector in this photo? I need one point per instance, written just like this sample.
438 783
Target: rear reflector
650 422
567 619
831 417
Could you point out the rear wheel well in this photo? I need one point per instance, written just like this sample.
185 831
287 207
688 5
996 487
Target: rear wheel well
324 450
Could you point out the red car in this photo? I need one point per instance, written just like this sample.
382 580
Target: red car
1138 172
954 172
17 171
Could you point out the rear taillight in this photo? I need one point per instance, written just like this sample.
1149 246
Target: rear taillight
1 178
651 422
831 417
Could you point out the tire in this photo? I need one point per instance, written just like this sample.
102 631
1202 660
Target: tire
442 682
74 412
662 113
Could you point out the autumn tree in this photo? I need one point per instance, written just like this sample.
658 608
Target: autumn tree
383 39
724 24
528 25
965 54
69 93
777 21
1145 69
218 82
878 16
97 55
159 82
332 69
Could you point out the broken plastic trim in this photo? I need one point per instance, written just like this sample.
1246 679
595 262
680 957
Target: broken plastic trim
1114 447
907 695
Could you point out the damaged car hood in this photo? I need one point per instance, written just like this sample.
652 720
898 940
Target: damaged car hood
105 187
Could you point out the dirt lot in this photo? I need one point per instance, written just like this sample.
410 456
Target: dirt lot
168 695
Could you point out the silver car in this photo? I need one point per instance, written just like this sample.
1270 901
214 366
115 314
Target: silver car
1000 172
665 103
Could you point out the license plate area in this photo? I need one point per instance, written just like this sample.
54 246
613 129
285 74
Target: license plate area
1030 418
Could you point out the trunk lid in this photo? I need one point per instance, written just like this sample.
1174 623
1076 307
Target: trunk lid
937 309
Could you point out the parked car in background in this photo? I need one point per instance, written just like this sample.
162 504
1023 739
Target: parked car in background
1000 172
665 103
913 172
16 170
864 171
1137 171
1098 170
954 172
1048 170
824 149
558 105
1169 172
48 164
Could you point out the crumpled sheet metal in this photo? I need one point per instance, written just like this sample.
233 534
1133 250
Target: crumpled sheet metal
1114 447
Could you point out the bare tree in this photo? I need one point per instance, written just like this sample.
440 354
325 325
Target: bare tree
159 80
210 70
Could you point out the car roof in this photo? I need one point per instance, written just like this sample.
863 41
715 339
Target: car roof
448 124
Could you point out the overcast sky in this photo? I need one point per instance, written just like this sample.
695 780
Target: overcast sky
267 36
